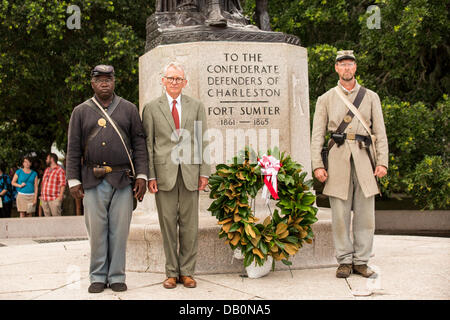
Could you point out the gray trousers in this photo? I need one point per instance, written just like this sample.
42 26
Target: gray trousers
107 213
363 225
178 209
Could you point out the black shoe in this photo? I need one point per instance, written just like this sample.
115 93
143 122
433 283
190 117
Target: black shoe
118 286
97 287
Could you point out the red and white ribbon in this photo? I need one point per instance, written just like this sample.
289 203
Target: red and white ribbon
269 168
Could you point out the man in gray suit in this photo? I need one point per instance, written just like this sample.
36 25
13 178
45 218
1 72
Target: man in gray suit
99 171
175 126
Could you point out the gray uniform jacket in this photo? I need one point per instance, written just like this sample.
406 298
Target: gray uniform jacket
106 147
330 110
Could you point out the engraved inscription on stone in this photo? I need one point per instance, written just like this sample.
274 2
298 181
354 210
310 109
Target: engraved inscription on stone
245 95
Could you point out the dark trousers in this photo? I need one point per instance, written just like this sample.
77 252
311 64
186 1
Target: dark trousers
5 212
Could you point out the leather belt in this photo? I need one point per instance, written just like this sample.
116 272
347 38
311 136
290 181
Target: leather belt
110 168
354 136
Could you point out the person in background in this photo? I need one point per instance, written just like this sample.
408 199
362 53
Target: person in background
6 193
52 187
26 181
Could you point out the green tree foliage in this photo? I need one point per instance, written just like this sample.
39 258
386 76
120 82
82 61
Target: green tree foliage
44 65
404 61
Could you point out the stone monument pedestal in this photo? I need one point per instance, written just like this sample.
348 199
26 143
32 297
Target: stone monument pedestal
255 94
145 252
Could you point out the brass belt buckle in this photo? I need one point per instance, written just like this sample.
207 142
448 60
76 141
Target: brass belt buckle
351 136
108 169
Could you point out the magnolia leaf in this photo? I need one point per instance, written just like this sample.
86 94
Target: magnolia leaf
236 238
287 262
268 237
281 227
234 227
254 241
290 248
278 243
283 235
226 227
240 175
267 221
258 252
248 259
263 247
292 239
297 221
249 231
303 234
274 248
290 220
230 235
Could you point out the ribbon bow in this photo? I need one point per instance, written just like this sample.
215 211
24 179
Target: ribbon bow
269 168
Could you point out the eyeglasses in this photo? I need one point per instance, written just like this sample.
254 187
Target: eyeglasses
176 80
107 80
348 64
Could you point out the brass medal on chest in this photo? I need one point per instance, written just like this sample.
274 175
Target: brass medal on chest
101 122
347 119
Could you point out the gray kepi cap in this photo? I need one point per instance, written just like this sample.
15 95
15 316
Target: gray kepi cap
102 70
345 54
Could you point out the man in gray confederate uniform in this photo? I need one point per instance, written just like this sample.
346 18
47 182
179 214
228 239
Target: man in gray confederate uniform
100 168
350 177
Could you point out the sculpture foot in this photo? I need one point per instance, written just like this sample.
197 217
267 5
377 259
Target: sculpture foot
215 19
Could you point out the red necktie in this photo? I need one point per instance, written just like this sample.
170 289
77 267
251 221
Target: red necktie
176 118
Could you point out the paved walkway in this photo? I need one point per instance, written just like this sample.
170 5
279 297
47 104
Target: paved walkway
409 268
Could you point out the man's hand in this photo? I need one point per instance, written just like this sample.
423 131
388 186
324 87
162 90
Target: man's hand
321 174
153 186
77 192
380 171
202 183
139 189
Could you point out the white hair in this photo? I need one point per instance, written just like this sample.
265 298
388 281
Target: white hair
175 65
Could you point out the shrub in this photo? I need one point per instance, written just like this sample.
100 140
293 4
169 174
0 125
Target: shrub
429 183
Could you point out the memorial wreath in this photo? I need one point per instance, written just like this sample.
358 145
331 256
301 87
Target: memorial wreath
285 230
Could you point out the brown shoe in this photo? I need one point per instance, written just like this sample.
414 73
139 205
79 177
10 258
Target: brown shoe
363 270
97 287
344 271
118 287
188 282
170 283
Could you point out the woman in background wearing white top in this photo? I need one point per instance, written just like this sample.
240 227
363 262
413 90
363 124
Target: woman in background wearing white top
26 181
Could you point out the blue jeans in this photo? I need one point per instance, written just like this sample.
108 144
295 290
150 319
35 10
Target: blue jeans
108 215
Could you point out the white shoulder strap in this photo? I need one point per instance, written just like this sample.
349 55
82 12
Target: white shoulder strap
353 109
118 132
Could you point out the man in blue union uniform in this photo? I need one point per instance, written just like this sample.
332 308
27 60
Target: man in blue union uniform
100 165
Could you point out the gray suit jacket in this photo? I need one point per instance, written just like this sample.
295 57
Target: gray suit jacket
167 149
106 147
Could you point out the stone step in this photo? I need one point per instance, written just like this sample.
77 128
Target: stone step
145 251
